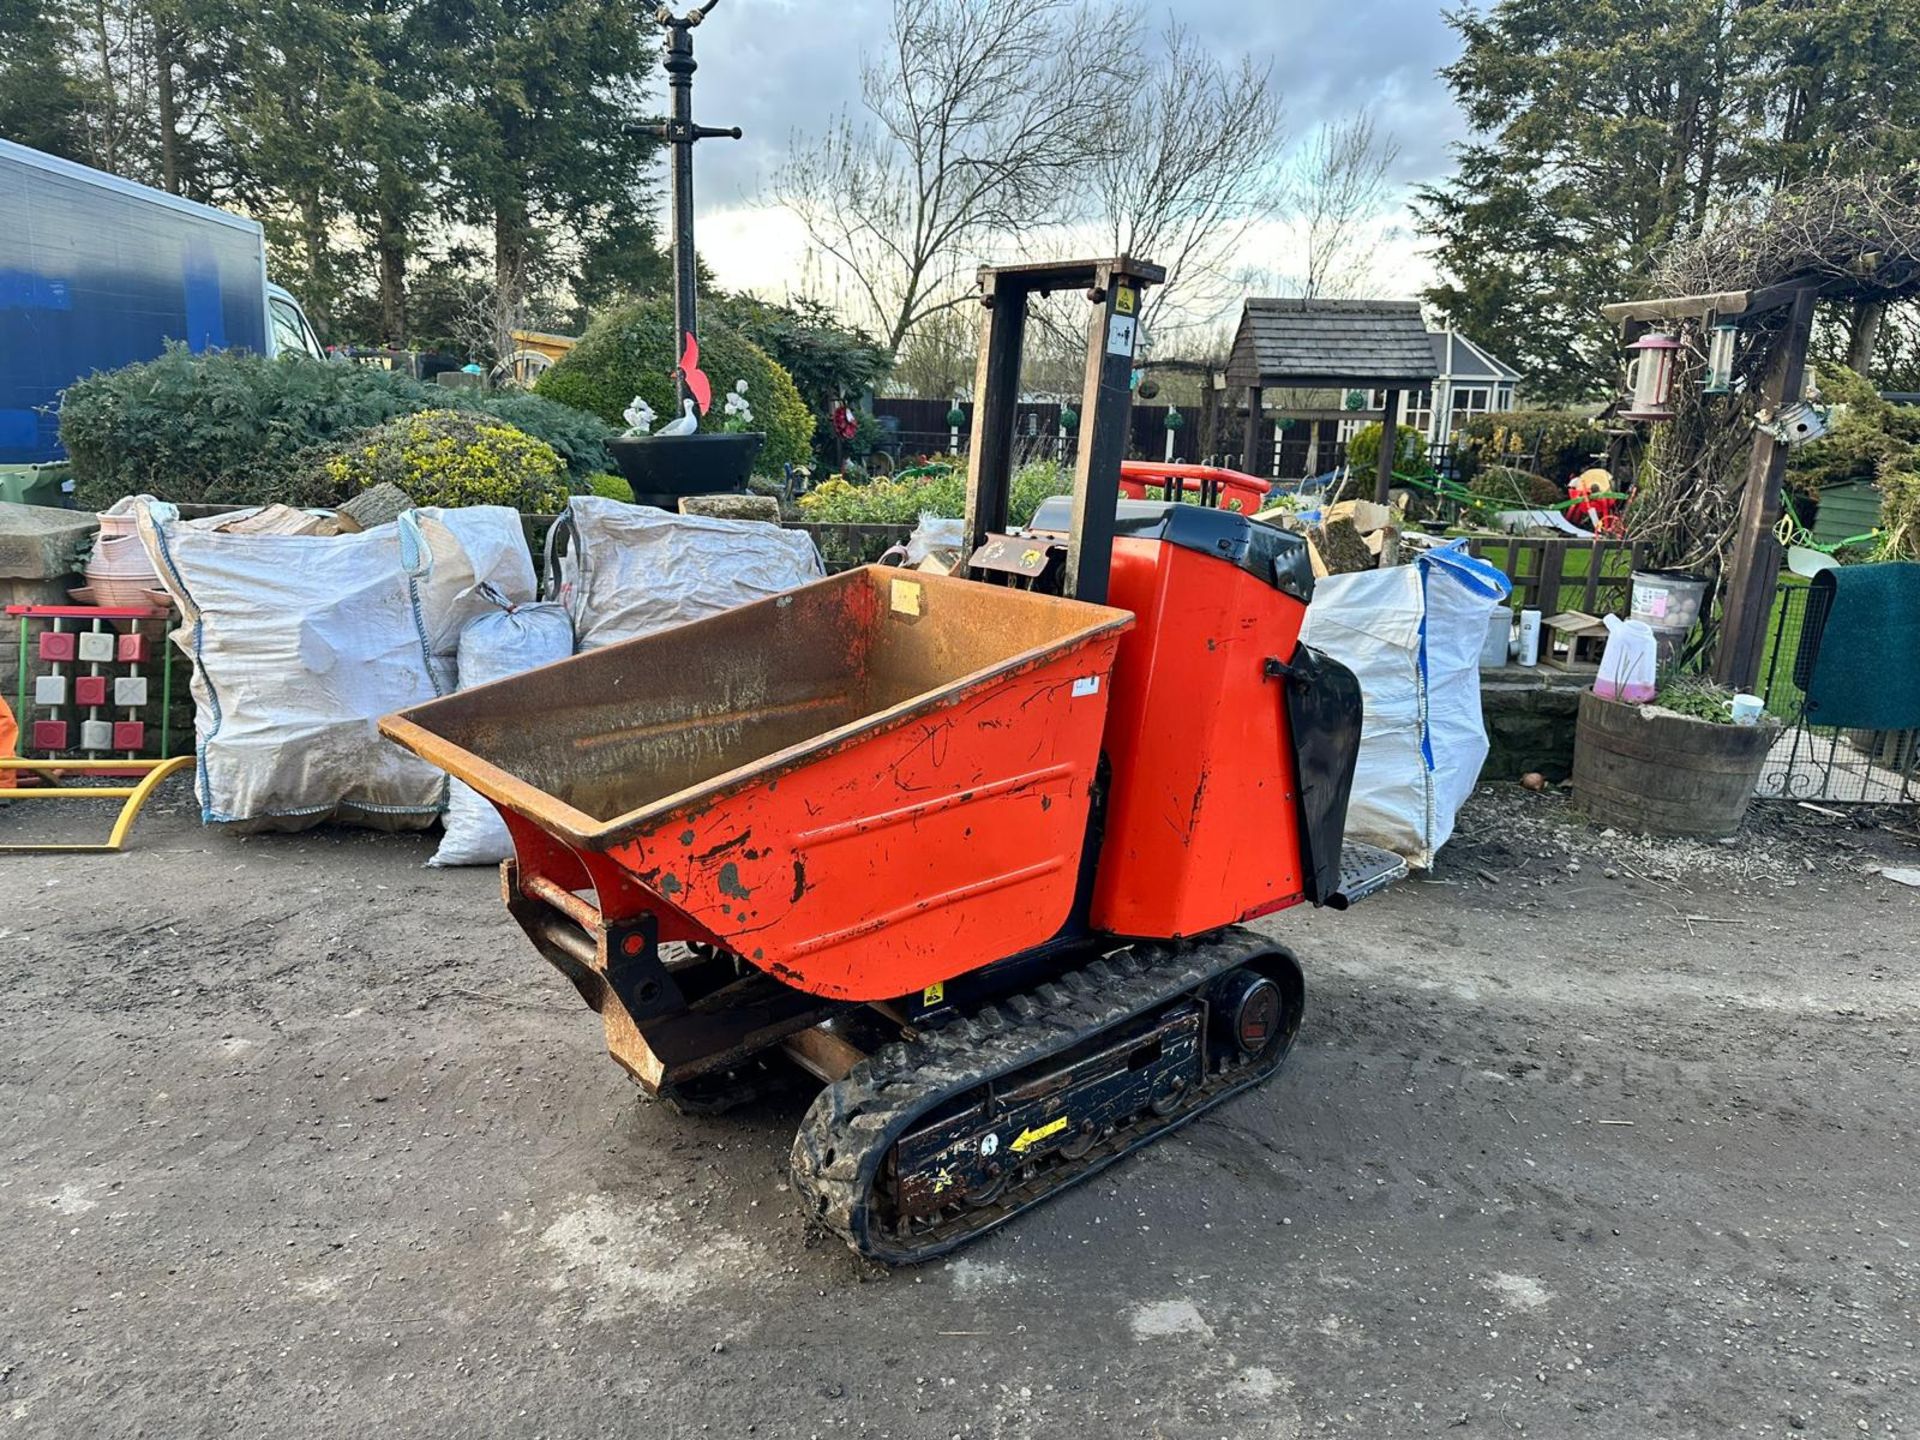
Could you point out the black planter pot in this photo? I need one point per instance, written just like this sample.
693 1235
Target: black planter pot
662 468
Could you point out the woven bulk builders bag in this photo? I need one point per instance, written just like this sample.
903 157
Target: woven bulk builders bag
1412 635
508 639
300 643
629 570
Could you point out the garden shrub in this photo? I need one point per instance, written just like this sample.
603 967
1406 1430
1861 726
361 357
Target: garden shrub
827 360
1899 516
1556 443
230 426
903 501
1516 488
632 351
579 438
1410 455
448 457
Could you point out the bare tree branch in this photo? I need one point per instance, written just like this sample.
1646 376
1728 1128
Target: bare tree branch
1193 167
979 112
1339 183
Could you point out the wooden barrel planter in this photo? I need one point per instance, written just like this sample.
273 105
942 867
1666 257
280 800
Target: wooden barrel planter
1652 771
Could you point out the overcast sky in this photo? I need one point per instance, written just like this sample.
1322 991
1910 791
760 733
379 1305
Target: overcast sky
775 67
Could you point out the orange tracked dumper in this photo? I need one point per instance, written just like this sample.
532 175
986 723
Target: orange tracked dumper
977 852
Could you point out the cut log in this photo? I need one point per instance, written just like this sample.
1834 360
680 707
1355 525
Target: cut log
278 520
379 505
1342 548
732 507
1366 516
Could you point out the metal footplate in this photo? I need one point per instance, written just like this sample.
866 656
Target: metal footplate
1363 870
927 1145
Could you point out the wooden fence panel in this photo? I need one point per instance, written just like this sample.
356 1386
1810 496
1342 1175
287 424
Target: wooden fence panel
1555 573
842 547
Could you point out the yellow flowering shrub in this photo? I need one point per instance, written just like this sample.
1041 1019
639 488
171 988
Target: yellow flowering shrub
452 457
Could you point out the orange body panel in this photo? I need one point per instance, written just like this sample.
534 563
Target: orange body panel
1202 822
904 859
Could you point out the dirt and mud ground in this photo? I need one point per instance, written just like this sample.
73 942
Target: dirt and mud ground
298 1138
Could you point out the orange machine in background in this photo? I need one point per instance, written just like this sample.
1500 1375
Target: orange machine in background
1208 485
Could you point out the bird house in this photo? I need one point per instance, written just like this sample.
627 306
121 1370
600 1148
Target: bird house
1574 640
1650 373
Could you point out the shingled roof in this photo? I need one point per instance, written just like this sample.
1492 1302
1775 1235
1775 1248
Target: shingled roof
1380 344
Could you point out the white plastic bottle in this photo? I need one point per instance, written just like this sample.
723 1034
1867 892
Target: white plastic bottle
1629 664
1529 637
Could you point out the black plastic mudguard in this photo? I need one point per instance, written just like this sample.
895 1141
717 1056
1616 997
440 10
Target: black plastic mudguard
1324 711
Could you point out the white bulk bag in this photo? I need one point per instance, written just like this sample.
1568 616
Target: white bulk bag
1412 635
508 640
631 569
301 643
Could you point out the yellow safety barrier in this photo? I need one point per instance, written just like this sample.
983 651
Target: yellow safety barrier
152 772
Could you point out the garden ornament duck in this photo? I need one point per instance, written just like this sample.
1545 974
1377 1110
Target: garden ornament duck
685 425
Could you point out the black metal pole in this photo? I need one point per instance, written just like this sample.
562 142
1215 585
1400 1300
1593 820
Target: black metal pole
1106 401
996 404
680 68
680 132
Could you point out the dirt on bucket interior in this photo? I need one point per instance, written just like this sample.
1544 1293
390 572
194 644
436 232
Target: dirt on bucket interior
1585 1135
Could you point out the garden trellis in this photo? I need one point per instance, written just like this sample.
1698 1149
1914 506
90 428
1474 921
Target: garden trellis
1714 497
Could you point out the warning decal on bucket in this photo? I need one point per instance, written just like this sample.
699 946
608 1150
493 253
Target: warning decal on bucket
1086 685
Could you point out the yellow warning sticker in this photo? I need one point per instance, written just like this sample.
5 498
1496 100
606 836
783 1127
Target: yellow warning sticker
933 994
1027 1139
1124 299
905 597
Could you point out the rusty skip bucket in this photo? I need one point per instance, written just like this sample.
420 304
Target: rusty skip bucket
863 787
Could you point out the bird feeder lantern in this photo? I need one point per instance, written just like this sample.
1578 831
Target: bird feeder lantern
1650 373
1720 341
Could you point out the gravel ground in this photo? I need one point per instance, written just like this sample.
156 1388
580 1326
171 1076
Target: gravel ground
1585 1136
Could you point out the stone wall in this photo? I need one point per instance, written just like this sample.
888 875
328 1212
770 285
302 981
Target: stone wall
1530 713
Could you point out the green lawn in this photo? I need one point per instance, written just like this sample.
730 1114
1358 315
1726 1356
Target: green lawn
1783 643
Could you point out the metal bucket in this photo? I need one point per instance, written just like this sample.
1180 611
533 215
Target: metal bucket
864 786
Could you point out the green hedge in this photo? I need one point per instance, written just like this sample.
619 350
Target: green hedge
229 427
1509 484
448 457
828 361
632 351
902 501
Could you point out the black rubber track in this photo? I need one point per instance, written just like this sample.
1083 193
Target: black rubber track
853 1124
